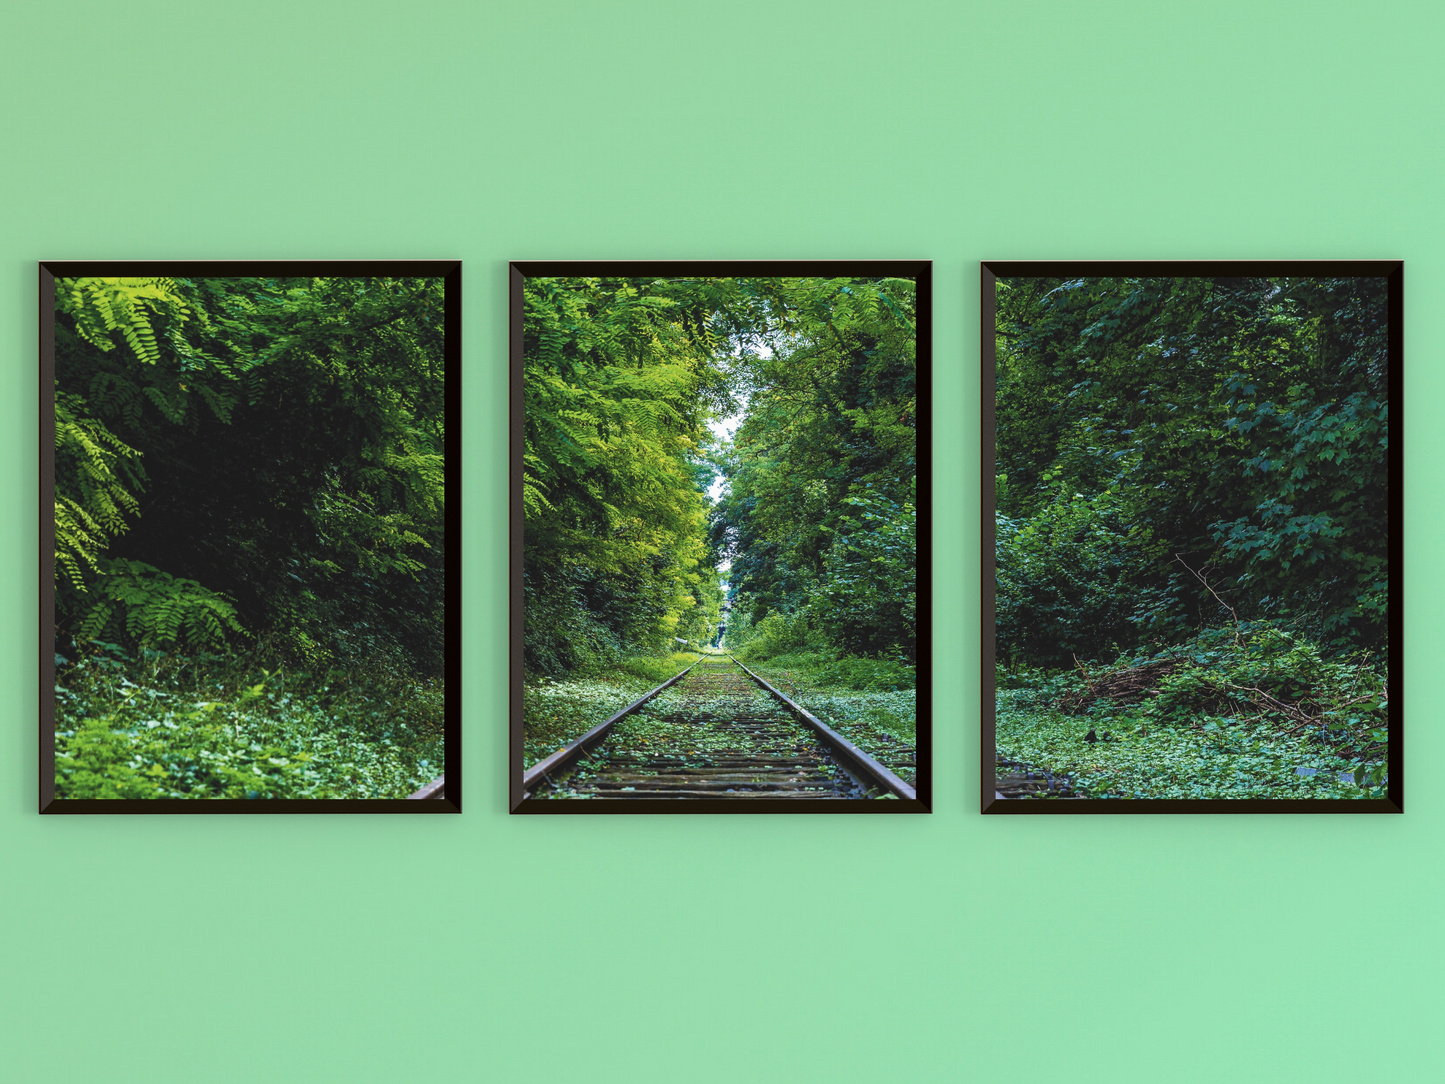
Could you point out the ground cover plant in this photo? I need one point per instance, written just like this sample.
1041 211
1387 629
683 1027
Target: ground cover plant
1191 535
250 549
1250 712
557 710
206 725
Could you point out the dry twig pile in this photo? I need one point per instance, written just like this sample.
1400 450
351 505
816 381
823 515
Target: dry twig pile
1122 685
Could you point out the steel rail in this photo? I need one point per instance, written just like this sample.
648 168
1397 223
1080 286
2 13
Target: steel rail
575 749
437 788
853 757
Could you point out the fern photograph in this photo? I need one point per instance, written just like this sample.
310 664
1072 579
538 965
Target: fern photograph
1192 524
720 537
250 598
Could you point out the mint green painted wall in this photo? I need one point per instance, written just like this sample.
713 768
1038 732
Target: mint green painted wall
484 947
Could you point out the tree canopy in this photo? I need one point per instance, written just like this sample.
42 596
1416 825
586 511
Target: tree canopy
624 380
1177 452
819 518
251 457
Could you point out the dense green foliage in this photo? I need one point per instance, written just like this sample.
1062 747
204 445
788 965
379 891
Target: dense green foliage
819 517
254 465
622 378
1195 469
1151 427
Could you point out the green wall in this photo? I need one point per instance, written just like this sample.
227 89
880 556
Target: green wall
944 948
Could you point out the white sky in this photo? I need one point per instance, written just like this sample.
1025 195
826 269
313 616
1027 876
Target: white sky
725 429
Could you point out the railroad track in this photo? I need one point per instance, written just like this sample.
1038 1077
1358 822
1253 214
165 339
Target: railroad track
715 731
1014 779
437 788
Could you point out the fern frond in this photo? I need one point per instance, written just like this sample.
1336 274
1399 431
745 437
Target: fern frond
171 411
104 307
154 607
92 470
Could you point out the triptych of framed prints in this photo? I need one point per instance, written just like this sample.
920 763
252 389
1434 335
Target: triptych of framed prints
722 544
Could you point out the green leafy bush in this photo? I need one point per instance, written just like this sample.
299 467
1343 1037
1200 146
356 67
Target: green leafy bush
1072 579
775 634
866 603
562 634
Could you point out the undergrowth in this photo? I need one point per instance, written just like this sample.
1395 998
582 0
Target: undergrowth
871 702
224 726
554 711
658 668
1244 712
827 669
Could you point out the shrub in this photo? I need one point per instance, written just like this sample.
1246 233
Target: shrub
775 634
1255 673
1073 579
866 603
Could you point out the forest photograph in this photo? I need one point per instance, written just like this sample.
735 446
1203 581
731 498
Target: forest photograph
248 564
720 530
1191 523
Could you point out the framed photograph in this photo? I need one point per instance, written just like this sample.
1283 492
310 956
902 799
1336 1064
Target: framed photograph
250 537
721 508
1191 537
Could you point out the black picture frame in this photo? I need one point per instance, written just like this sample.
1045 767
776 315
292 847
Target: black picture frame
990 272
921 799
441 795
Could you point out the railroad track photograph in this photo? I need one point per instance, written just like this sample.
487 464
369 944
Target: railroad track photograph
720 523
1191 520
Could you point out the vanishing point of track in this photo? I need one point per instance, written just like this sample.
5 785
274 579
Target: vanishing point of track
727 734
